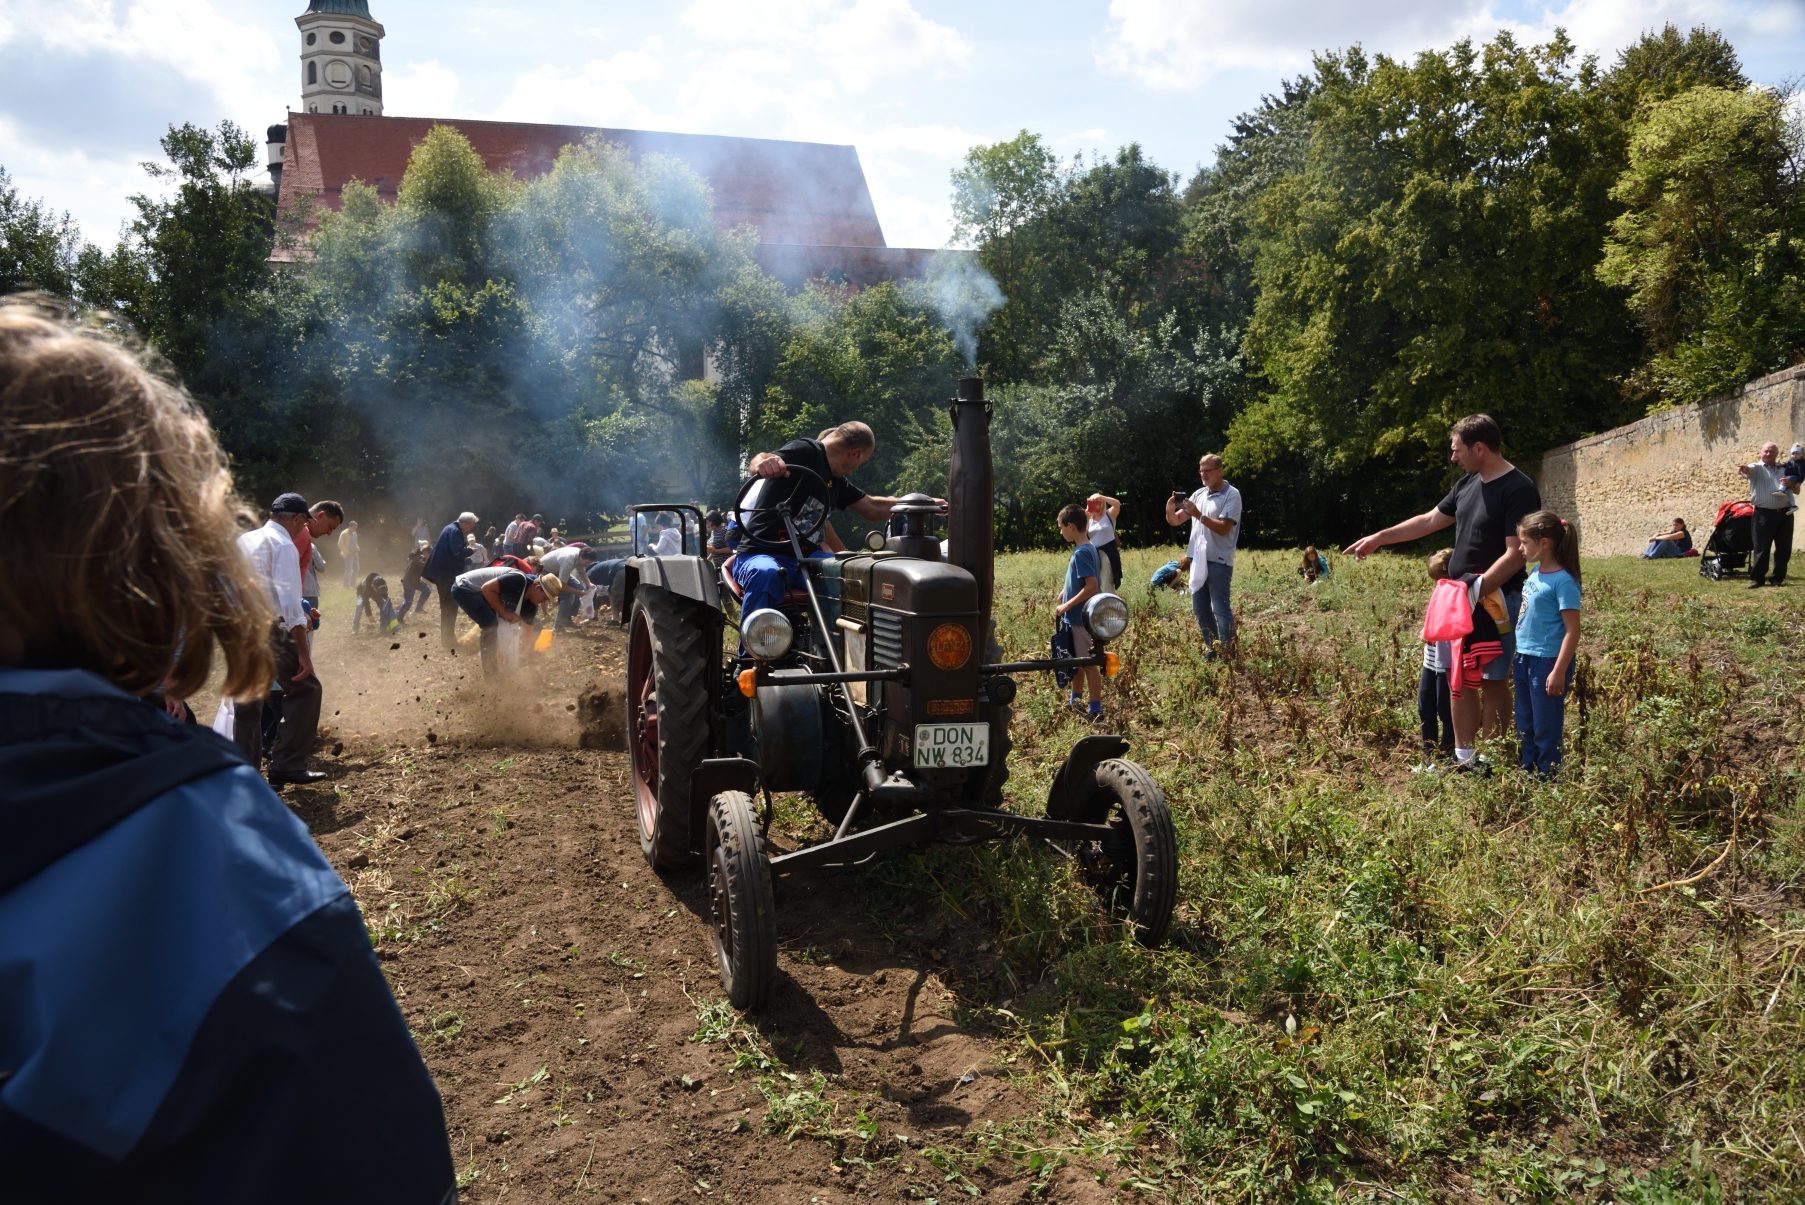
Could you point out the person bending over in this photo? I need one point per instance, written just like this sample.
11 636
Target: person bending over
190 1010
499 594
766 567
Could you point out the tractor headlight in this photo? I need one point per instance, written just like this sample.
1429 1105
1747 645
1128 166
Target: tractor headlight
1106 616
767 634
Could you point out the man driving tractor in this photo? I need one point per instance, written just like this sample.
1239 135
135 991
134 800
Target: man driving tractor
766 569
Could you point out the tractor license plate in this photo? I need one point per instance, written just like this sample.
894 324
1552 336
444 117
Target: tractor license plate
951 746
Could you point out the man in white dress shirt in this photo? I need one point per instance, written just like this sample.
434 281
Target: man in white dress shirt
273 557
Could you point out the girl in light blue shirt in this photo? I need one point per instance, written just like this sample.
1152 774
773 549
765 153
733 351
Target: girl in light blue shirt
1547 638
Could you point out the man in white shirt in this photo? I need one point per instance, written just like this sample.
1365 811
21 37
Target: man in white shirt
669 541
1215 515
1773 499
273 557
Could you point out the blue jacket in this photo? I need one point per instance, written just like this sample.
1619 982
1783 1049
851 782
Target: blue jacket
450 556
189 1006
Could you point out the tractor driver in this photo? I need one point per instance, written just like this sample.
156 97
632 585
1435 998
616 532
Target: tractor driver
765 569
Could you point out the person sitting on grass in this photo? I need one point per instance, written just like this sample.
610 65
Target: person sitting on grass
1672 543
1547 639
1080 587
496 594
191 1007
1315 566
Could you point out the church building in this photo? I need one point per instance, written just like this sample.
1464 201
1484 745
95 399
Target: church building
808 200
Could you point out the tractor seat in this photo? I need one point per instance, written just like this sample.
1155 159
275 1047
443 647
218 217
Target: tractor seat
793 595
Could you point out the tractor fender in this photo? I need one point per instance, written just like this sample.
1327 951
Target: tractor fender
692 577
713 776
1071 785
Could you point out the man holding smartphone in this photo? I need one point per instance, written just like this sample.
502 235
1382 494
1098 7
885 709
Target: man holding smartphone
1214 513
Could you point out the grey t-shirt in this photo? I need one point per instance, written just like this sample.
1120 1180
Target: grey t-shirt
511 584
1225 503
1765 489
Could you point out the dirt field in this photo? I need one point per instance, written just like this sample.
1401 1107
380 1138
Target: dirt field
555 983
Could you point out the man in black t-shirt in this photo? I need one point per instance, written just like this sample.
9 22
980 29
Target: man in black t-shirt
1484 508
766 567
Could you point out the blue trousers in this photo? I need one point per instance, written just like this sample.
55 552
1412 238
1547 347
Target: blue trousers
1541 717
764 578
411 599
385 609
1215 615
1661 549
483 615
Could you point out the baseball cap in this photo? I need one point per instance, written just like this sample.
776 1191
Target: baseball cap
288 504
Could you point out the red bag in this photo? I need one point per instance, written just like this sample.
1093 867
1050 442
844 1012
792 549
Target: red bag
508 560
1450 614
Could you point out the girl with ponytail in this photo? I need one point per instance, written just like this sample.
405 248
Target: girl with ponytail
1547 638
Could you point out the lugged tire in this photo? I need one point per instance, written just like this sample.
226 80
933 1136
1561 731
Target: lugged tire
1138 875
740 900
667 651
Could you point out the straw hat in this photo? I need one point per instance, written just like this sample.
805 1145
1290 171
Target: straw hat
550 584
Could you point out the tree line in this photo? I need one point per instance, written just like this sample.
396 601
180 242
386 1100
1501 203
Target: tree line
1378 248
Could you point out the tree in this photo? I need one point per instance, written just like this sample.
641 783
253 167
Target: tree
1708 244
188 260
1433 257
38 249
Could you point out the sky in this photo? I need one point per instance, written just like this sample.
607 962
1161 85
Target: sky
88 86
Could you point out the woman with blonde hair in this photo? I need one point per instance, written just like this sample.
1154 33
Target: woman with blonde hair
189 1005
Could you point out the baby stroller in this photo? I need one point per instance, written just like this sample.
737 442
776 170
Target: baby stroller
1732 541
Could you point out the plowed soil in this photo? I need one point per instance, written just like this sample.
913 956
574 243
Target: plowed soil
554 981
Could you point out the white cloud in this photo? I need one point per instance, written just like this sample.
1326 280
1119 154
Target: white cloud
1181 44
856 43
231 61
1171 44
423 90
596 94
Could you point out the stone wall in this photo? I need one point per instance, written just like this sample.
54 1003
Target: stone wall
1630 482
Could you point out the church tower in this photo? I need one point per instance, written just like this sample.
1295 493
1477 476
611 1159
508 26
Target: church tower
341 58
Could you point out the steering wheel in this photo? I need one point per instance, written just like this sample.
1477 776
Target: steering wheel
741 512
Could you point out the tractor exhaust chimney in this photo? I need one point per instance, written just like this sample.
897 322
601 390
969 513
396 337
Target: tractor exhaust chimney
971 495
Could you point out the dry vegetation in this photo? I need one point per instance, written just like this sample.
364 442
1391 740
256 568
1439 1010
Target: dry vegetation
1382 985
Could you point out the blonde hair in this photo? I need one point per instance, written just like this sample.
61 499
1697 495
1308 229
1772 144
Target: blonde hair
117 517
1440 562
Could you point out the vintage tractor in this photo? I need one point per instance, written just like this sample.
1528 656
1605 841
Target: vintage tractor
880 691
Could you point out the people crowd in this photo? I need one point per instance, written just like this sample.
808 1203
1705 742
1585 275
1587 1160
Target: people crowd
128 831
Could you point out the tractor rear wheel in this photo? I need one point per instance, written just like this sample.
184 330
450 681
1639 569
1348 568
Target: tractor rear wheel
740 900
1135 869
667 713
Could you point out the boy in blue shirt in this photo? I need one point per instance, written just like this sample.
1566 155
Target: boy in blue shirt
1547 638
1080 587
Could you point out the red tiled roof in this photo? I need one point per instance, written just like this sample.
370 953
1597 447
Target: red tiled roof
808 200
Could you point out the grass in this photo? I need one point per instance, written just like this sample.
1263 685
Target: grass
1385 985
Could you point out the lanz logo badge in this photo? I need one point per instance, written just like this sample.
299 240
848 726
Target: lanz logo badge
889 590
950 646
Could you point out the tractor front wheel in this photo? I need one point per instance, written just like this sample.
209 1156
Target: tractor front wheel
1134 869
667 713
740 900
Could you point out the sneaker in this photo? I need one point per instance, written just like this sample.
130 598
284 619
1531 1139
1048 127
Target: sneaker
1478 765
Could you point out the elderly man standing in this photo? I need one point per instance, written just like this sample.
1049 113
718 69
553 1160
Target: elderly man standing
450 557
276 562
1215 516
1485 506
1771 490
